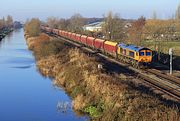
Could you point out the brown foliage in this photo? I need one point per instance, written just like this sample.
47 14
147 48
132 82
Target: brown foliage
136 30
32 27
160 29
8 22
74 24
36 41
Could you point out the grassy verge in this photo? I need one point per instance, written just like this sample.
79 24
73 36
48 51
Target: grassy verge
164 46
103 96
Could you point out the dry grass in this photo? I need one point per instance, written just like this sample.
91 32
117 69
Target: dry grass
90 87
36 41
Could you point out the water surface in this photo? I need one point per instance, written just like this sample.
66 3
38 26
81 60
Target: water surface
25 95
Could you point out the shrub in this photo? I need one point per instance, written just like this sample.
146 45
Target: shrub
32 27
47 48
93 111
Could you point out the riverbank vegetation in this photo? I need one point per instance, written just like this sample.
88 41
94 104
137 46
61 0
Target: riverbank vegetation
6 26
32 27
104 96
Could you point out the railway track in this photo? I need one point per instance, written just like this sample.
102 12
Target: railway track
173 79
166 84
169 84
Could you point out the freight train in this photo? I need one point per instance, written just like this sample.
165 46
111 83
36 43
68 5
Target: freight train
131 54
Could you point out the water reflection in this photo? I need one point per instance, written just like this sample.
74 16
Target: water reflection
8 37
22 67
24 94
63 107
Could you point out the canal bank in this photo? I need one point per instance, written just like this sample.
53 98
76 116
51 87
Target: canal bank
101 95
4 32
25 95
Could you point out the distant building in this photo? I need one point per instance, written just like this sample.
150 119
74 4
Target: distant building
17 25
94 27
127 25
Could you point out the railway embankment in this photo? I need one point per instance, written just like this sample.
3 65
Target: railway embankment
95 92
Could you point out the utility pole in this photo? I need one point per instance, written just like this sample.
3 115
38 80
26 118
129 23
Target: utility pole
109 35
170 54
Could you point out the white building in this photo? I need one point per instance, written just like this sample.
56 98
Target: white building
94 27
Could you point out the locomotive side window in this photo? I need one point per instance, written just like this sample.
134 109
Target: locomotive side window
131 54
141 53
148 53
124 51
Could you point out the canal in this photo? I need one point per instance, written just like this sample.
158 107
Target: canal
25 95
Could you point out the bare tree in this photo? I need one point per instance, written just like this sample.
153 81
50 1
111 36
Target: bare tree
9 21
64 24
177 21
136 31
76 23
108 25
178 12
1 23
53 22
6 22
113 26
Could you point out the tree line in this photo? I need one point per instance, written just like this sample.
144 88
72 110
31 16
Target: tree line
6 22
118 29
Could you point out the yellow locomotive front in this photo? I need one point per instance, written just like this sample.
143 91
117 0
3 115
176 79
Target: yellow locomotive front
145 55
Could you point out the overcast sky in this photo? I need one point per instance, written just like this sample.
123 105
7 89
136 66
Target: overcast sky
23 9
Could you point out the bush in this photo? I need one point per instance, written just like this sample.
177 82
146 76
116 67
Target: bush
32 27
93 111
47 48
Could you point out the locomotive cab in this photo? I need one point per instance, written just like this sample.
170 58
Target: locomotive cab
145 55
